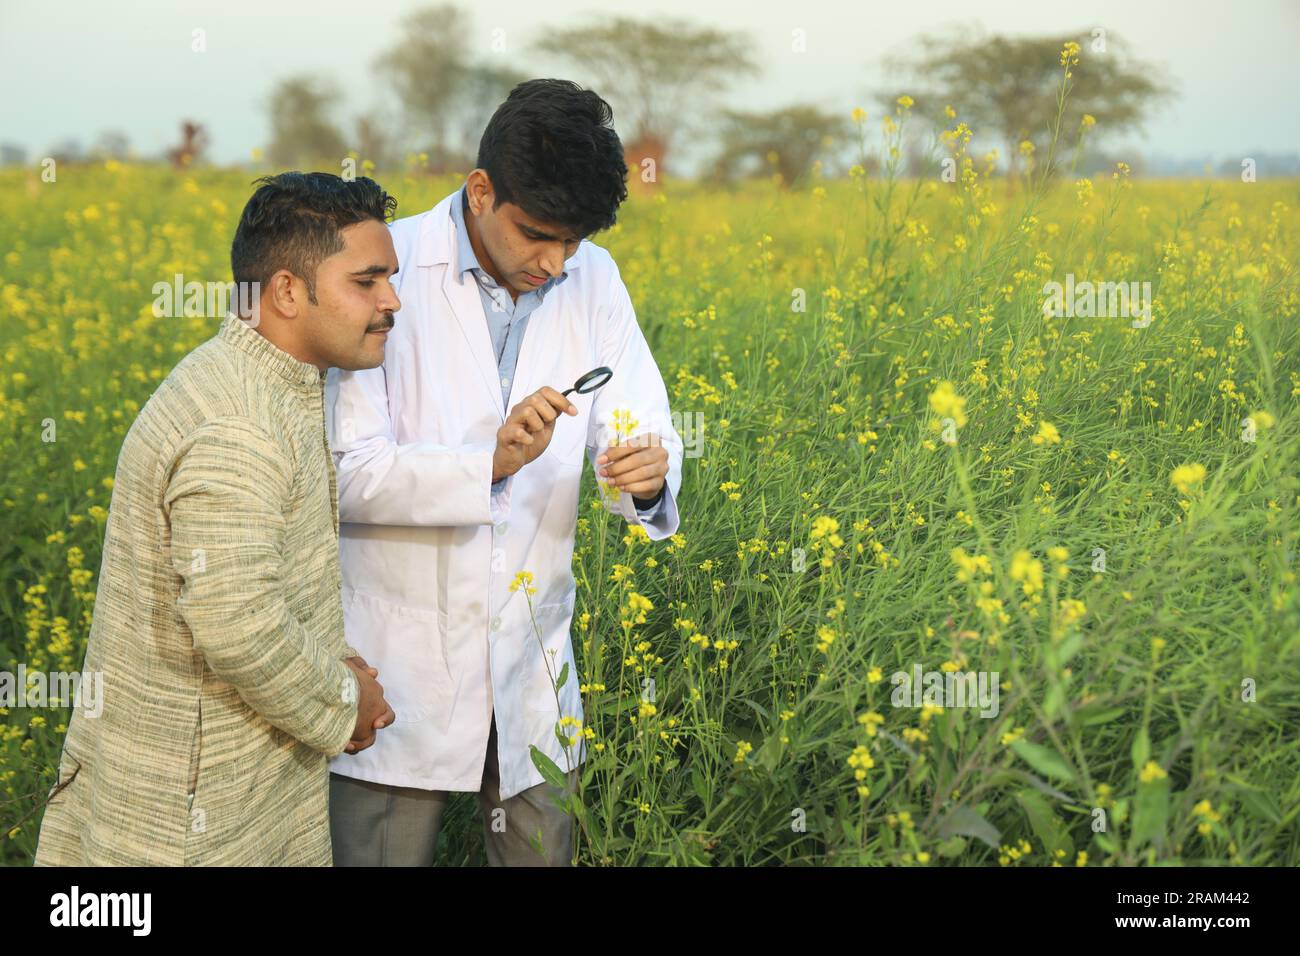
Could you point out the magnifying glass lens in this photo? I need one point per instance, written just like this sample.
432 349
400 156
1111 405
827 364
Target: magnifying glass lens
591 381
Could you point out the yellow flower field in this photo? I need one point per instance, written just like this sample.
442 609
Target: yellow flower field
900 460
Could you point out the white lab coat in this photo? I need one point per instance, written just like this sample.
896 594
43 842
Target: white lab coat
428 552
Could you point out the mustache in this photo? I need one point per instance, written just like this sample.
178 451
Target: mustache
388 323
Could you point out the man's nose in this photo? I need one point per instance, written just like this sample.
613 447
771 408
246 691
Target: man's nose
553 262
390 302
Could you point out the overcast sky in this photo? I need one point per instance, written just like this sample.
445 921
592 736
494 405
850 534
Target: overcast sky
72 68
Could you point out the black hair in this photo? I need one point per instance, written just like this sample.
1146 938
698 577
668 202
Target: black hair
293 220
551 149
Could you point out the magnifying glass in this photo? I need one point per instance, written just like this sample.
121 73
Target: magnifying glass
591 381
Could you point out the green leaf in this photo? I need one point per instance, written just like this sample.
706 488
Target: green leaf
946 724
1119 812
967 822
1069 647
1091 718
768 754
1150 813
1043 759
952 847
546 766
1262 805
846 824
1141 749
758 709
1045 824
1043 786
699 785
1052 701
564 676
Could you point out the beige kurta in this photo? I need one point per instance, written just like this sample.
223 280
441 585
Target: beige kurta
218 628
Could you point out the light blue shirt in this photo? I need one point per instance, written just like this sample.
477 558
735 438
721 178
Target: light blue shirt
507 318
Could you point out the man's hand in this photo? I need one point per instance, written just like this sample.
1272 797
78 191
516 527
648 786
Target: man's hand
361 662
527 431
373 712
638 466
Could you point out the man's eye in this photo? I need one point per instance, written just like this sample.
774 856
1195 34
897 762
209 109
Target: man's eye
367 283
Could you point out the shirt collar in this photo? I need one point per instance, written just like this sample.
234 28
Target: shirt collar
267 355
465 258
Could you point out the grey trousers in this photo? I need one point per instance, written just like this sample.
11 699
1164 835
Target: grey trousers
372 824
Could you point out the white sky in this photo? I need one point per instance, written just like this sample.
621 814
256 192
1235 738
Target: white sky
71 68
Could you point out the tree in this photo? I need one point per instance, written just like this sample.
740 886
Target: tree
482 90
373 142
785 141
427 69
111 144
1007 87
301 133
660 73
67 151
11 154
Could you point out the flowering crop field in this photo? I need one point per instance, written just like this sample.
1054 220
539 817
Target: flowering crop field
905 467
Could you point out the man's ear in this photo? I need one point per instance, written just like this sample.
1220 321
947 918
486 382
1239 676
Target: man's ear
288 293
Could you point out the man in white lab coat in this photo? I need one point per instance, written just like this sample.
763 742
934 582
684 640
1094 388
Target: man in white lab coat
459 464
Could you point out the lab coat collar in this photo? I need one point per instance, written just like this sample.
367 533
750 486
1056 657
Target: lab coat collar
465 257
436 237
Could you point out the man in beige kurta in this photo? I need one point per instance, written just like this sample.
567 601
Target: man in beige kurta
218 628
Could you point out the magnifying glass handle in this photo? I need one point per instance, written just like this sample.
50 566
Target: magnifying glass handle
566 392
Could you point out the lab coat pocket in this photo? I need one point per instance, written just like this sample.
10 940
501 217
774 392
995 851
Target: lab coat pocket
407 645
